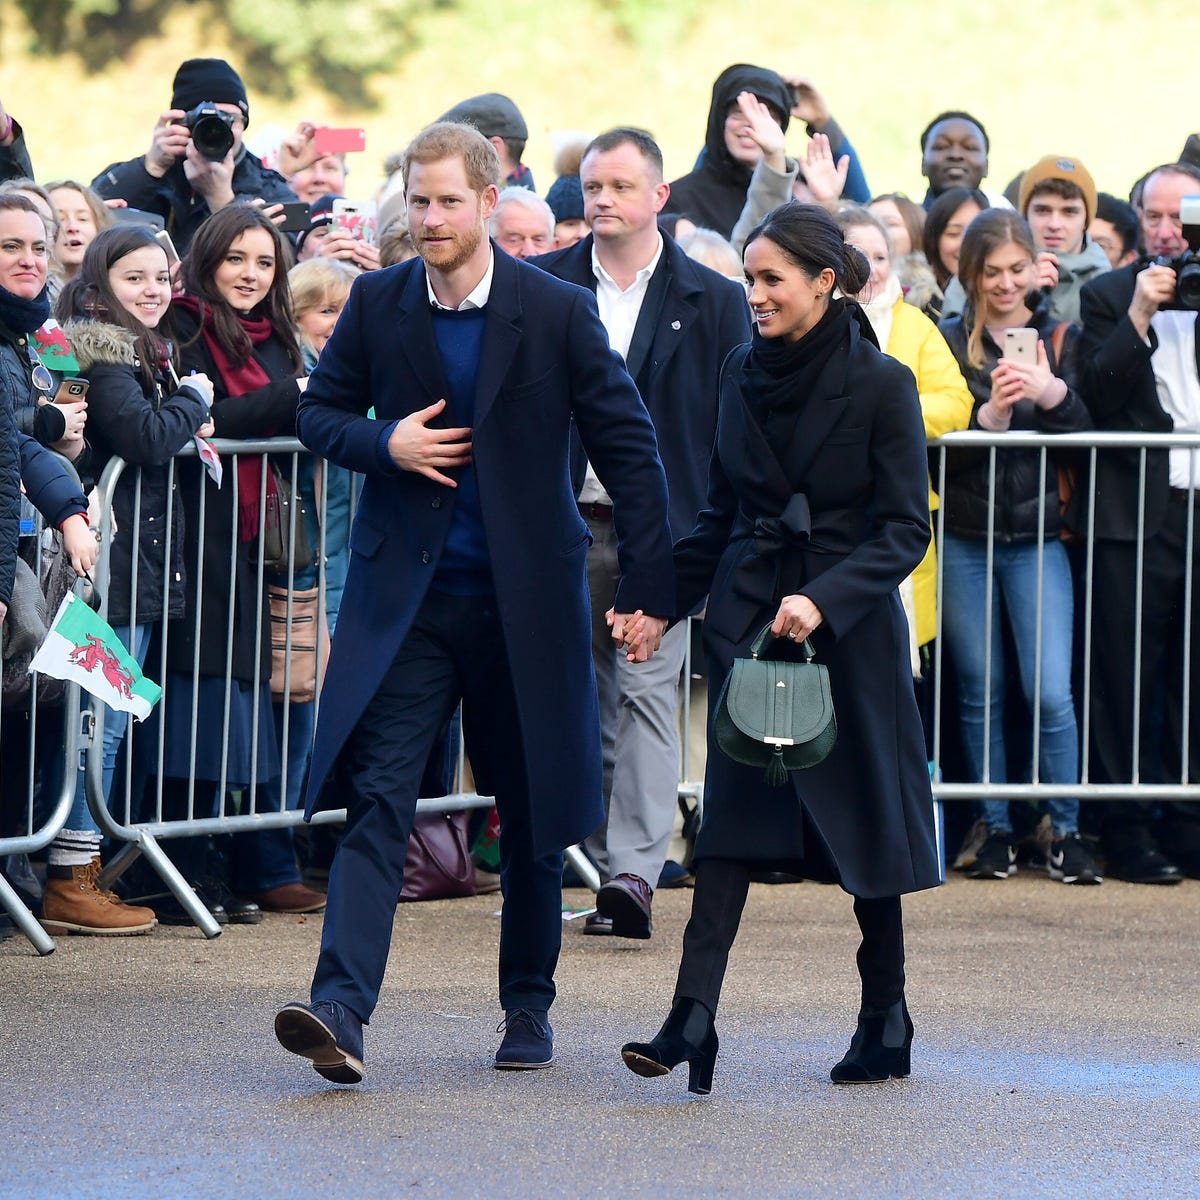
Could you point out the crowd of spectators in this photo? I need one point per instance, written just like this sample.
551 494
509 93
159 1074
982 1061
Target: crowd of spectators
1050 306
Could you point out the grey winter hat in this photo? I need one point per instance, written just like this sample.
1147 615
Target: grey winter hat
492 114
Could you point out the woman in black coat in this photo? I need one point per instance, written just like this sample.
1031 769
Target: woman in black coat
235 324
817 509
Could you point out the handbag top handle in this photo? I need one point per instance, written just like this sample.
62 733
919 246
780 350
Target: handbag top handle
761 642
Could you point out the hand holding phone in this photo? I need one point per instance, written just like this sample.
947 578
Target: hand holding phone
1020 345
71 391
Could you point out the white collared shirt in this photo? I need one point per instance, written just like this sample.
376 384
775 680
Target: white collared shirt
1174 365
479 294
619 312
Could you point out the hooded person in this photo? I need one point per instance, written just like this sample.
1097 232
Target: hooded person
714 194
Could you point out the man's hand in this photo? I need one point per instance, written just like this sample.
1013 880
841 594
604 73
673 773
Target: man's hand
212 180
810 106
1152 288
824 177
1045 271
3 611
7 137
414 446
641 635
169 143
80 544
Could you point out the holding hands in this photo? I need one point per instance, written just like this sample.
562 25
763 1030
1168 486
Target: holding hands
640 634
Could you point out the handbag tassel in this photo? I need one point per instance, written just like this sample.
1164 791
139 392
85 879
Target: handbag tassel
776 773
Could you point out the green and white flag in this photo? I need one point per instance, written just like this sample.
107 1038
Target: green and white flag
80 647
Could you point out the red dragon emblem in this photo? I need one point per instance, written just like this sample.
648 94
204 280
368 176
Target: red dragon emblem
94 656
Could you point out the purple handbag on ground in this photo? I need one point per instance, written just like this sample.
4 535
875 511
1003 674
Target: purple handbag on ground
438 865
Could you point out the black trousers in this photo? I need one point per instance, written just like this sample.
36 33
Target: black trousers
717 903
1160 733
455 650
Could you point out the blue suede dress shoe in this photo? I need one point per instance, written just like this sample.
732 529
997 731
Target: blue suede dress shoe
326 1032
528 1043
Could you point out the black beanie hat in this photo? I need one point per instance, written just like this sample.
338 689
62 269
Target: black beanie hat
213 79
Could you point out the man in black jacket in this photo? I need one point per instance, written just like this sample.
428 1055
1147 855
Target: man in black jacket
173 178
673 321
1141 374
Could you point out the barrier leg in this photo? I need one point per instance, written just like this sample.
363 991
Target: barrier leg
118 865
25 921
584 867
179 886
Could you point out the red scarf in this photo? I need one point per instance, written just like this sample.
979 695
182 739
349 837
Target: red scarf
238 380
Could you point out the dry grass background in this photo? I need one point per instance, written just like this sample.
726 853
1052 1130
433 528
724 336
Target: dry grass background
1113 83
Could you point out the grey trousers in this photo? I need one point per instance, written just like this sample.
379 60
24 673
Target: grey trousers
639 732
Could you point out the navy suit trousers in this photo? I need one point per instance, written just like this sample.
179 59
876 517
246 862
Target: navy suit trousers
454 651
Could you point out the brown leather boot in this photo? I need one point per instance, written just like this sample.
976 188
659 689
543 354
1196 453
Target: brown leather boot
76 905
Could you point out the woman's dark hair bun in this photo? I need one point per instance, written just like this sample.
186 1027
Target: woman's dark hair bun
855 270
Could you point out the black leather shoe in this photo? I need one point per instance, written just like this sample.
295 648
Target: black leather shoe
688 1035
528 1043
880 1048
597 925
625 900
326 1032
1143 864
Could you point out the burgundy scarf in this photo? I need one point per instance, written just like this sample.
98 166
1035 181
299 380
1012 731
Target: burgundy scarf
238 380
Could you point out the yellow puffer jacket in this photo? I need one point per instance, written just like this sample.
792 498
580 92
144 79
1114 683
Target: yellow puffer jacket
946 405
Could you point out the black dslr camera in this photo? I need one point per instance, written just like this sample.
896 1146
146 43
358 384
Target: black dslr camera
211 129
1186 265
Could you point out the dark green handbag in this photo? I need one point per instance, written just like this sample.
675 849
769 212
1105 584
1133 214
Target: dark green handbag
776 714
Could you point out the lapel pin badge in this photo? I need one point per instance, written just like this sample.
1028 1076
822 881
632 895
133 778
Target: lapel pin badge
674 324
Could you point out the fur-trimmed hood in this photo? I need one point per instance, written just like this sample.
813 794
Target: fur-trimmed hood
99 342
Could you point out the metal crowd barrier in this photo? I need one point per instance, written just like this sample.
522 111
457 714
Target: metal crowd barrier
142 833
1088 446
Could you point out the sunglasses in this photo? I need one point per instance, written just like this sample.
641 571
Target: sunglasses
42 379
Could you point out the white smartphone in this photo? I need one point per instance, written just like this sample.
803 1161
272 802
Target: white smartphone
354 219
164 240
1020 345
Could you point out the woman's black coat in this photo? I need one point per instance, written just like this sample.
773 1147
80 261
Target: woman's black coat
854 485
131 419
265 412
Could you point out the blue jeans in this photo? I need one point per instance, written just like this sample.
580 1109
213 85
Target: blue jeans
135 639
964 615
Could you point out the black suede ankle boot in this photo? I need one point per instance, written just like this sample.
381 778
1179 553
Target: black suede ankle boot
880 1047
687 1035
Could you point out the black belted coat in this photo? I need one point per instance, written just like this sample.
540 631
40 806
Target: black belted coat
841 515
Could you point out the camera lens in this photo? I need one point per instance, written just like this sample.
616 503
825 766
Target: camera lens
1187 286
212 136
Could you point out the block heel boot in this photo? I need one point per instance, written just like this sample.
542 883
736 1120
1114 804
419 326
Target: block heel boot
880 1048
688 1035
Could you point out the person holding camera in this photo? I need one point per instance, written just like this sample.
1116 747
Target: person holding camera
197 162
1141 375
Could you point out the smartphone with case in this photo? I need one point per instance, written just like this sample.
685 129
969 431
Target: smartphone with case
71 391
164 239
297 217
327 140
1020 345
352 219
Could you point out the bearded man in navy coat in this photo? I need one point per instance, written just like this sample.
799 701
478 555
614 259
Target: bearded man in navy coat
467 580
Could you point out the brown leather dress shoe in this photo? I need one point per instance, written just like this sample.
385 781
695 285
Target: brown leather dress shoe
289 898
597 925
625 899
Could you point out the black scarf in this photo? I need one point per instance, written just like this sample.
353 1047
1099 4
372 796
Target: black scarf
778 376
21 315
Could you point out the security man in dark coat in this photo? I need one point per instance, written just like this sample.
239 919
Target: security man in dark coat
467 580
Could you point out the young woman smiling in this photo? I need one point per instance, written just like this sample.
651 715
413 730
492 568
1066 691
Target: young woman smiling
235 321
998 271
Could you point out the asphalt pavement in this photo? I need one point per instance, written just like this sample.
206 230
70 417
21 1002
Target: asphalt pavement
1057 1053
